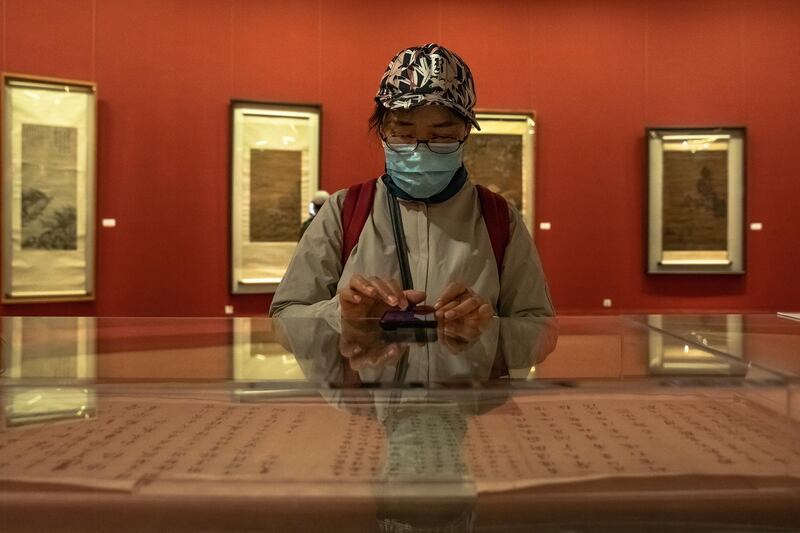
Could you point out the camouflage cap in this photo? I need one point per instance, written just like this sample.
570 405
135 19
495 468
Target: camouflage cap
425 75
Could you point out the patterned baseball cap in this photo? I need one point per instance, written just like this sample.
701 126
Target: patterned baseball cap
429 74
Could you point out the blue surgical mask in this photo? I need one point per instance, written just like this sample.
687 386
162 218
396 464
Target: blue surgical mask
422 173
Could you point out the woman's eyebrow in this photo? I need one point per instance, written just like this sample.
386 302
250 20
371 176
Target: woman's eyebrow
445 124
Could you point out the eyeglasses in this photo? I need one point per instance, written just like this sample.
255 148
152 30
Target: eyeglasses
405 145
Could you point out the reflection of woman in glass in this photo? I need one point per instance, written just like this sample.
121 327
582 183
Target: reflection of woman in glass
425 484
467 252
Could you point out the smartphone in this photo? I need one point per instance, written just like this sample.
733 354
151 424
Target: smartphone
416 319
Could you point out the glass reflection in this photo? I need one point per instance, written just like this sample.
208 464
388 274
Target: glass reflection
361 353
37 349
697 354
424 435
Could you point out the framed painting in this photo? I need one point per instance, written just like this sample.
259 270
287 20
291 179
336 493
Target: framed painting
48 131
275 157
696 198
501 157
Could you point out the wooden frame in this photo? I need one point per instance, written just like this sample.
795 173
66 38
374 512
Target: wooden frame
501 156
696 200
275 162
48 136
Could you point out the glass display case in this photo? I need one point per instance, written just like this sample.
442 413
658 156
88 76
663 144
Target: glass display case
660 422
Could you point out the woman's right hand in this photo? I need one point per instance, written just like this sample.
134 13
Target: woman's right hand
372 297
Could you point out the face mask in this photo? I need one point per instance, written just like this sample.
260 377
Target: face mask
422 173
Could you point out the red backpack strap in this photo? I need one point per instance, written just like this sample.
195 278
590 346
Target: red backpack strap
355 211
495 216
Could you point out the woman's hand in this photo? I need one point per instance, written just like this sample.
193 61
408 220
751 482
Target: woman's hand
373 296
458 302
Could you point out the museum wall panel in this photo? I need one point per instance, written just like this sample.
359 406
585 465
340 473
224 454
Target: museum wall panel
51 38
596 74
770 56
588 90
163 75
695 76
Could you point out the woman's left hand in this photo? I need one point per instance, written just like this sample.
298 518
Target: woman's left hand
458 302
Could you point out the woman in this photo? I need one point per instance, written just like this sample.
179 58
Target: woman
452 257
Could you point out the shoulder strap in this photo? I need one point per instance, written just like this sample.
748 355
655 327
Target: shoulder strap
358 205
355 211
495 216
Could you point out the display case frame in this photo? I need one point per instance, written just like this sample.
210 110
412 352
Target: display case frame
594 432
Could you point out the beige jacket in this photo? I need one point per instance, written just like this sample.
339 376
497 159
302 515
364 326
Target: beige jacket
447 242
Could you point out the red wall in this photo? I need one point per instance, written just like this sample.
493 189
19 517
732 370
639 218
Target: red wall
597 73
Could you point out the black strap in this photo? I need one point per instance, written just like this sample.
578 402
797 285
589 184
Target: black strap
405 275
400 242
